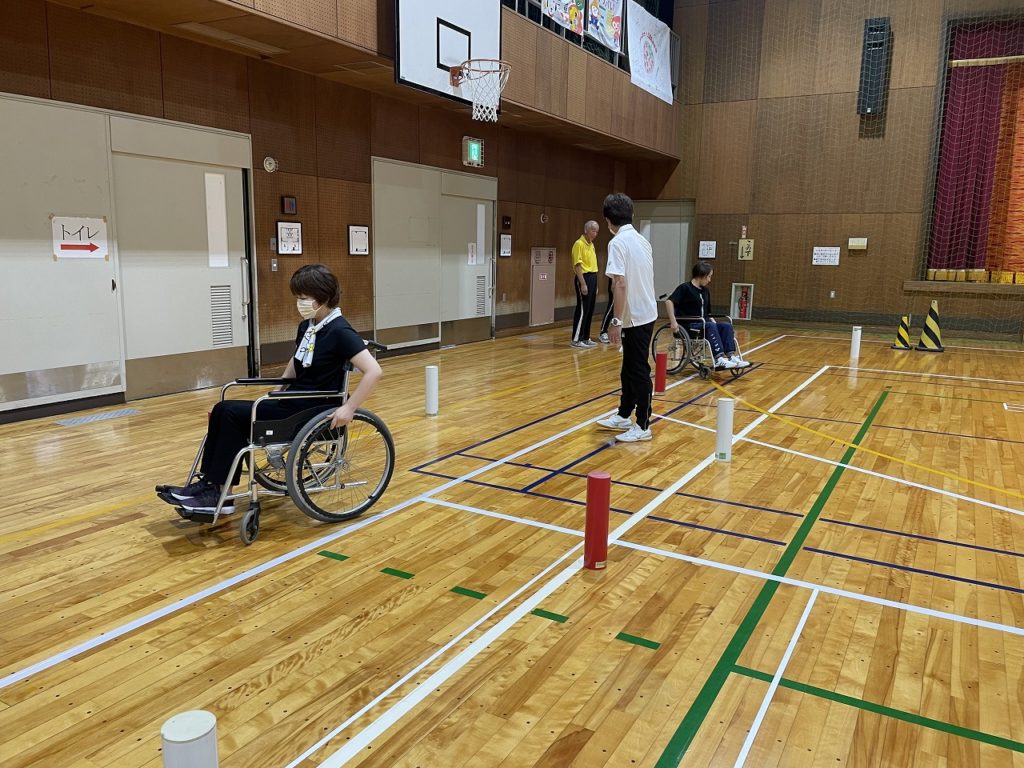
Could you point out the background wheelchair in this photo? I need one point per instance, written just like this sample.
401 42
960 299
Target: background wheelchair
331 474
690 347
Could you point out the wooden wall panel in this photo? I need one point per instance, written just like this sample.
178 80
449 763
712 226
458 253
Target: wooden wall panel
519 48
691 24
784 278
204 85
809 157
342 132
551 70
24 57
318 15
276 304
600 103
734 50
576 88
357 23
342 203
684 180
394 129
726 157
126 77
283 126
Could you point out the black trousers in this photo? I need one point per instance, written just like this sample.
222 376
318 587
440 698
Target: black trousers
584 314
606 321
637 388
229 430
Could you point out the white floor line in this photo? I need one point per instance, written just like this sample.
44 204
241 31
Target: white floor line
658 500
853 468
909 607
741 759
197 597
423 689
930 375
427 686
510 518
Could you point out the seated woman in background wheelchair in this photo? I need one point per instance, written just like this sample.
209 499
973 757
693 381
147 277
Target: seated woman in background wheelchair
324 343
692 299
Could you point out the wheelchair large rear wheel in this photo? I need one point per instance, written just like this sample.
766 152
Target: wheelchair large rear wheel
676 345
337 474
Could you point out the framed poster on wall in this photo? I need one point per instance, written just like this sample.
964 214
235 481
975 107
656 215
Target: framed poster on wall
289 238
742 304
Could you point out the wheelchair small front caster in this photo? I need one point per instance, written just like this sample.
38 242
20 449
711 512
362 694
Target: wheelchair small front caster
250 527
704 372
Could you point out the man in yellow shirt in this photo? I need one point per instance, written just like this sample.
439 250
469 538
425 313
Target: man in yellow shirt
584 264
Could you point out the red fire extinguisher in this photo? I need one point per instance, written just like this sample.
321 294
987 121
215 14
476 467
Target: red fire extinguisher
744 304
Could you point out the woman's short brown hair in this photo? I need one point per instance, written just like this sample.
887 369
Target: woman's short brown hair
317 282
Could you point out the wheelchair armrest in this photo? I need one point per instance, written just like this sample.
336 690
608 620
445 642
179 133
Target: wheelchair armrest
261 380
299 394
374 346
690 319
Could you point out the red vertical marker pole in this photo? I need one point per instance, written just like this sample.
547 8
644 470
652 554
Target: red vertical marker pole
595 541
660 368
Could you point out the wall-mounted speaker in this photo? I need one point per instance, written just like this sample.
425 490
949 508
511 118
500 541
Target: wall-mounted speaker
874 67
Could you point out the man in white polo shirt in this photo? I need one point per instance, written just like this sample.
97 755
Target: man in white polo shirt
631 268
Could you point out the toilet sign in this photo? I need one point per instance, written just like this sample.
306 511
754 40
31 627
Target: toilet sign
79 238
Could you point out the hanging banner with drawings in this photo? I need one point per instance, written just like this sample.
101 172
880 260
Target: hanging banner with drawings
649 39
604 23
567 13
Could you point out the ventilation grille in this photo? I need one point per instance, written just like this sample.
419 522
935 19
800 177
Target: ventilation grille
481 295
220 314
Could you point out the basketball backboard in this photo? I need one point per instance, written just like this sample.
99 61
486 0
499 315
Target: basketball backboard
434 36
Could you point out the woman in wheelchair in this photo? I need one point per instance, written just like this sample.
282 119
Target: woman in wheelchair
324 343
693 299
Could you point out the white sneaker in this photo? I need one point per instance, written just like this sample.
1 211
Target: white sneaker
634 435
589 344
724 363
577 344
738 362
603 338
616 422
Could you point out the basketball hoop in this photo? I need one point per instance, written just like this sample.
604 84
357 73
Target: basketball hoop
484 80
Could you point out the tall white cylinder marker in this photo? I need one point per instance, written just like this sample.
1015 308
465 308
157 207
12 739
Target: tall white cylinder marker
431 390
723 431
189 740
855 343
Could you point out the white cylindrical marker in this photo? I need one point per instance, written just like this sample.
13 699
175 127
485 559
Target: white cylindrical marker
855 343
431 387
189 740
723 431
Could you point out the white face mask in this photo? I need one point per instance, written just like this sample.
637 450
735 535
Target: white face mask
307 307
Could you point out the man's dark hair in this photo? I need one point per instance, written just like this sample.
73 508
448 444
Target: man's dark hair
702 269
618 209
317 282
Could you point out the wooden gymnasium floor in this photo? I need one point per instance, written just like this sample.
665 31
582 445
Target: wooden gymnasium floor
847 591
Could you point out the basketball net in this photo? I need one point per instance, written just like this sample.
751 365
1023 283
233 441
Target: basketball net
484 80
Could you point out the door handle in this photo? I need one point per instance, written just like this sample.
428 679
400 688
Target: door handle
113 284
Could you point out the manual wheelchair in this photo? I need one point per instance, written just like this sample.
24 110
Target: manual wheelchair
330 474
690 346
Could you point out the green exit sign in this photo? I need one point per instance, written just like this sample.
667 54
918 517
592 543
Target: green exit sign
472 152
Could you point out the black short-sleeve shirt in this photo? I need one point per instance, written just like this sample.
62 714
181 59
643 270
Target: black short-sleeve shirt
690 301
336 343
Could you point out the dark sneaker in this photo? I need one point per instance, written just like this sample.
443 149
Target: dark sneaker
180 492
206 501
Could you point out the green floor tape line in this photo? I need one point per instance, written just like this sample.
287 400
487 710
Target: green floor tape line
638 641
549 615
881 709
398 573
332 555
469 593
687 730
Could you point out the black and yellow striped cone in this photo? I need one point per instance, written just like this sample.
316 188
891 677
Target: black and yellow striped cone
903 334
931 335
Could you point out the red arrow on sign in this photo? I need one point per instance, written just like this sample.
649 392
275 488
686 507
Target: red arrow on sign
69 247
